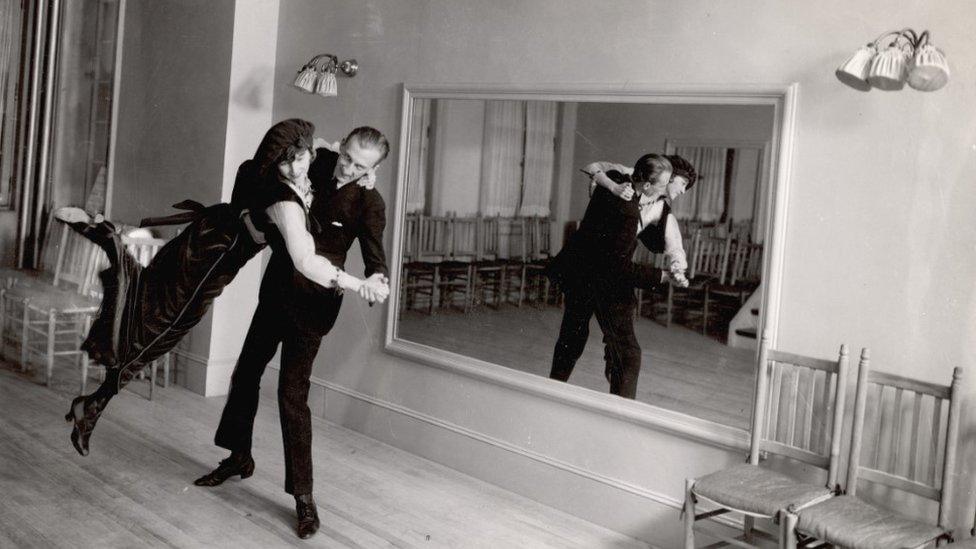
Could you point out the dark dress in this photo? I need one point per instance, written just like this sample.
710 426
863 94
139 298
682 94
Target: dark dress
147 310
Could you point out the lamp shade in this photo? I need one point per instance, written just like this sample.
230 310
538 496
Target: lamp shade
326 84
854 71
305 80
888 69
928 70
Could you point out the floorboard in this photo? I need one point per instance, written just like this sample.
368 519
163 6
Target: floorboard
680 369
135 488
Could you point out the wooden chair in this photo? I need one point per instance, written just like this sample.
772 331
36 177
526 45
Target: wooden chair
708 264
741 280
54 318
411 234
538 249
910 446
644 256
515 271
489 269
798 415
456 272
422 275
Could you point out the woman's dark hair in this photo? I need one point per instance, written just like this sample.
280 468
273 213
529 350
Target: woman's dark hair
649 166
283 142
682 168
370 138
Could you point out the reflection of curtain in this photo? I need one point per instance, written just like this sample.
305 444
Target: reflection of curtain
706 200
760 206
501 165
540 136
417 161
9 26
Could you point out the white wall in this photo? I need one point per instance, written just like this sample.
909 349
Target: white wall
880 242
249 115
172 121
624 133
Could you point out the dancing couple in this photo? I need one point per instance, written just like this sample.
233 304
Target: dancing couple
308 204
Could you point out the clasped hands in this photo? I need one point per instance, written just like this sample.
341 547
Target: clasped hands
376 288
676 275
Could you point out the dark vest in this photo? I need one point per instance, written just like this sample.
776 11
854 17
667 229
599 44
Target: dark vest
335 219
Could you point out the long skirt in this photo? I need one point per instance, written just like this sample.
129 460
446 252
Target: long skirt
147 310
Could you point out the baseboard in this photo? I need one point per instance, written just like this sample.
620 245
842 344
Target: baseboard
615 483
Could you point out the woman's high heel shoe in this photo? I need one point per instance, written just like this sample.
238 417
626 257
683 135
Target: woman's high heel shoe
83 413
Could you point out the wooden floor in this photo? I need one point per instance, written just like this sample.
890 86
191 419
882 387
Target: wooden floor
135 488
681 370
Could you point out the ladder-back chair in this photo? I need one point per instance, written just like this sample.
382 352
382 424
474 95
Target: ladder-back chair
798 415
489 267
456 273
910 445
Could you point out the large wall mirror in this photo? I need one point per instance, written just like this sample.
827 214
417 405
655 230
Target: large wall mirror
490 185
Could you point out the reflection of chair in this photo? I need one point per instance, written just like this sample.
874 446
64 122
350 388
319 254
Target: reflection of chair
53 318
644 256
912 448
514 271
489 269
707 265
429 250
798 415
745 272
538 247
456 272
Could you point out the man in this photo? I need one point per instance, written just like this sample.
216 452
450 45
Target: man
297 311
598 276
660 232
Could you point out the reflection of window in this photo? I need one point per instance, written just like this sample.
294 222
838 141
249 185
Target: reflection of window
728 194
86 70
11 28
417 161
519 151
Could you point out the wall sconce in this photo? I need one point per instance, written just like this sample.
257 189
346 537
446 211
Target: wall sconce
318 76
908 57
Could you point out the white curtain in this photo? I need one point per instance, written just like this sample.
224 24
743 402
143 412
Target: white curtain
540 138
417 161
501 165
706 200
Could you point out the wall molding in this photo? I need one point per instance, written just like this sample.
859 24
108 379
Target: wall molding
618 484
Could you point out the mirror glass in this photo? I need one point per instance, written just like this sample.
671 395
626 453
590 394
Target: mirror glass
495 187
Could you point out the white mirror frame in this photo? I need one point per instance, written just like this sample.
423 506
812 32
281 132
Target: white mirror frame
782 97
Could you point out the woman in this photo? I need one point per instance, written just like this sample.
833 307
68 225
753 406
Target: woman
147 310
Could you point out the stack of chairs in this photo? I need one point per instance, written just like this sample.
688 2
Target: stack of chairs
453 261
46 315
